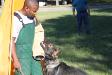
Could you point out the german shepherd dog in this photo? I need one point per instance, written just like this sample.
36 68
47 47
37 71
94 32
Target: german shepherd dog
61 68
54 67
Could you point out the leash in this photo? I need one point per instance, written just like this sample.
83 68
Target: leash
41 59
43 64
20 71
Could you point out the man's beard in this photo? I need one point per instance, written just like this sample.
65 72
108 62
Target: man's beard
31 17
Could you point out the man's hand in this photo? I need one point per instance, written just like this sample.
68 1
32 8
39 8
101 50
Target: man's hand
74 12
17 64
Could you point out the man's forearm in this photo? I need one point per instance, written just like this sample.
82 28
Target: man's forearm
14 56
16 62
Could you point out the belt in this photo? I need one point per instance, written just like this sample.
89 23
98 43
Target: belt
82 11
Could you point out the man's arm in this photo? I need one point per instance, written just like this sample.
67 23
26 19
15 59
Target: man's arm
74 7
14 56
88 9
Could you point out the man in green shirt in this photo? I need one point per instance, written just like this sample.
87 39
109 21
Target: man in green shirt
22 40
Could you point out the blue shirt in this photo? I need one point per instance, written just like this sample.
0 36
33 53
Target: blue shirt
80 5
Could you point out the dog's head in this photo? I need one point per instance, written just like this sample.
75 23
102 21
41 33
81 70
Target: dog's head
51 52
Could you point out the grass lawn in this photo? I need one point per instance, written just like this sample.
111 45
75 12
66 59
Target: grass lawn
91 53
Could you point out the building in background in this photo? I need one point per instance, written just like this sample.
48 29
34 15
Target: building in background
1 2
47 2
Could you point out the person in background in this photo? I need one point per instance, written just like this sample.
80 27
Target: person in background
22 40
82 12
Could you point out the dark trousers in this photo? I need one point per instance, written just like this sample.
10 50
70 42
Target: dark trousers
82 19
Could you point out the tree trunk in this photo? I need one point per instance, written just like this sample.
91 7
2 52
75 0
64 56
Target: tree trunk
57 2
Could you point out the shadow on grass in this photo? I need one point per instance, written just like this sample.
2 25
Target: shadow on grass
103 10
60 26
98 43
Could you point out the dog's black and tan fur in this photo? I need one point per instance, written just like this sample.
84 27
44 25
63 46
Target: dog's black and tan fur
54 67
64 69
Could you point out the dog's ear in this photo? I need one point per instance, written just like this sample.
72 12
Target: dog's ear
55 53
58 51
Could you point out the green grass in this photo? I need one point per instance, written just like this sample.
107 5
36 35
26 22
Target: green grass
91 53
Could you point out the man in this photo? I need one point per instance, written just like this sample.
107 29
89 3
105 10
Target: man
22 40
81 7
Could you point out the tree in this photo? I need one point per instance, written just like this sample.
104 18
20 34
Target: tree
57 2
